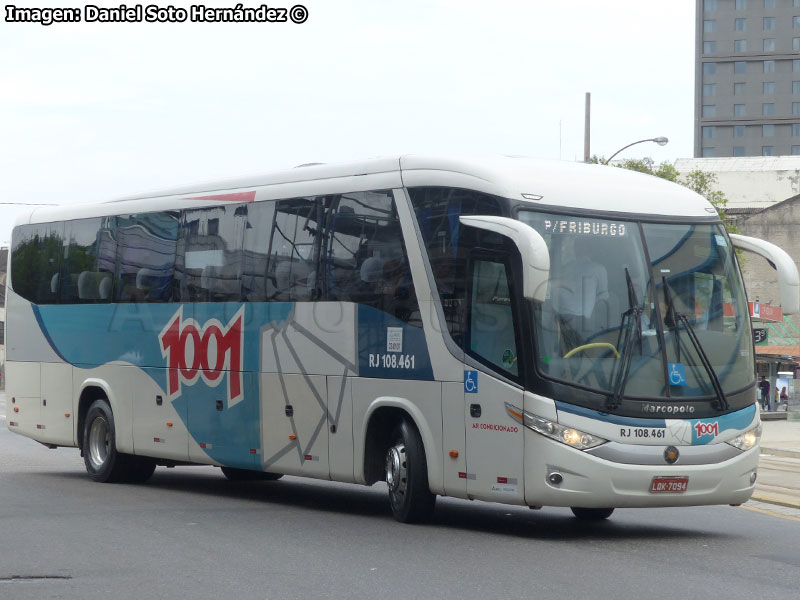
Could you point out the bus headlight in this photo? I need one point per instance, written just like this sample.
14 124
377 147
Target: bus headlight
748 439
566 435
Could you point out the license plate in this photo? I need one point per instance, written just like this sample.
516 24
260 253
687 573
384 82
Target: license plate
669 485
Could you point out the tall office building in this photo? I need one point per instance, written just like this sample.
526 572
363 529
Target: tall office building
747 78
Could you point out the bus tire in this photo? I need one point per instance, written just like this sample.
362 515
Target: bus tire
103 463
140 469
591 514
407 476
248 475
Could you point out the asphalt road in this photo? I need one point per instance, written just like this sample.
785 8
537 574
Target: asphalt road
189 533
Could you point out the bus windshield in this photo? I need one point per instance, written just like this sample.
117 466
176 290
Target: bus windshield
641 309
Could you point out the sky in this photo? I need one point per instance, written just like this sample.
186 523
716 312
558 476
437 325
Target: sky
94 111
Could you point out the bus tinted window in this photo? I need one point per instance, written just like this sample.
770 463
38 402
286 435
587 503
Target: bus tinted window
448 243
209 256
365 259
294 250
146 257
35 260
87 273
257 284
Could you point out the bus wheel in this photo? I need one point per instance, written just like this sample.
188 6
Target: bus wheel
103 462
592 514
248 475
407 476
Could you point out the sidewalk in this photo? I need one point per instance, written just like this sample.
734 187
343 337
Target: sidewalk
778 470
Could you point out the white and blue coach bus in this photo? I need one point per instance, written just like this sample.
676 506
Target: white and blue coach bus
510 330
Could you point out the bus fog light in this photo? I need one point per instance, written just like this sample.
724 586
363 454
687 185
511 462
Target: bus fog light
566 435
748 439
753 477
555 478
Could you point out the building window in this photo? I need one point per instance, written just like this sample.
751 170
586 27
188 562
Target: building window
795 150
768 88
709 47
795 129
740 66
710 26
738 88
769 66
740 24
709 68
709 110
795 108
738 131
769 23
738 150
709 89
796 21
709 133
708 152
740 45
769 44
741 4
796 65
767 150
709 5
796 43
796 87
768 109
768 131
739 110
769 3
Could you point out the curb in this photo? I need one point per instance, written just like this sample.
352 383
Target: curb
784 452
776 501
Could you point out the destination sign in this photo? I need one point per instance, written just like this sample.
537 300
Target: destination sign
585 227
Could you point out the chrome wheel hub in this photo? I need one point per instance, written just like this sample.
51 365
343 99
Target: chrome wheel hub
98 442
396 469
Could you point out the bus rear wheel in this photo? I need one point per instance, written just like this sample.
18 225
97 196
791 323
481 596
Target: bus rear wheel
247 475
592 514
407 476
103 463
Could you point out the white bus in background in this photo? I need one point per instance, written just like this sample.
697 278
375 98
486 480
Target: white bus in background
511 330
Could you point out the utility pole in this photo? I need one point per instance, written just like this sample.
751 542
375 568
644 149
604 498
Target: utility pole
586 127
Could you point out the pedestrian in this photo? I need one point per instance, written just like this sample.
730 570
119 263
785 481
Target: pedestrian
784 400
764 387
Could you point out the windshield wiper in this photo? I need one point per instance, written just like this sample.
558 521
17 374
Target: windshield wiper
634 316
673 319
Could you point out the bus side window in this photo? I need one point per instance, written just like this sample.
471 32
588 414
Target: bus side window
257 284
365 260
35 261
89 258
146 245
208 263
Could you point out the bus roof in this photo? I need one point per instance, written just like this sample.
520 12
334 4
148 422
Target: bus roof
546 183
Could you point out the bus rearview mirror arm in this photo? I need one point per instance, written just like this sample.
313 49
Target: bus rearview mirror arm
788 278
531 246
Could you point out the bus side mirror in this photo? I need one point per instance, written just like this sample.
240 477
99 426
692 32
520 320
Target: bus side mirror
788 278
531 246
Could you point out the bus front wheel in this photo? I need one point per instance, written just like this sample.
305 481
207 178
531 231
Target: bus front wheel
407 476
592 514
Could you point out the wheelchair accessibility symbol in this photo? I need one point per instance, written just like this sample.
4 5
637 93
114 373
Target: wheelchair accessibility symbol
470 382
677 374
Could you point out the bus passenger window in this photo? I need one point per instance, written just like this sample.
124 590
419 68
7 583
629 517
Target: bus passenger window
35 256
146 245
88 268
209 256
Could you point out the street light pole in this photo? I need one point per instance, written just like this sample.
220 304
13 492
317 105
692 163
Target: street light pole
661 141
